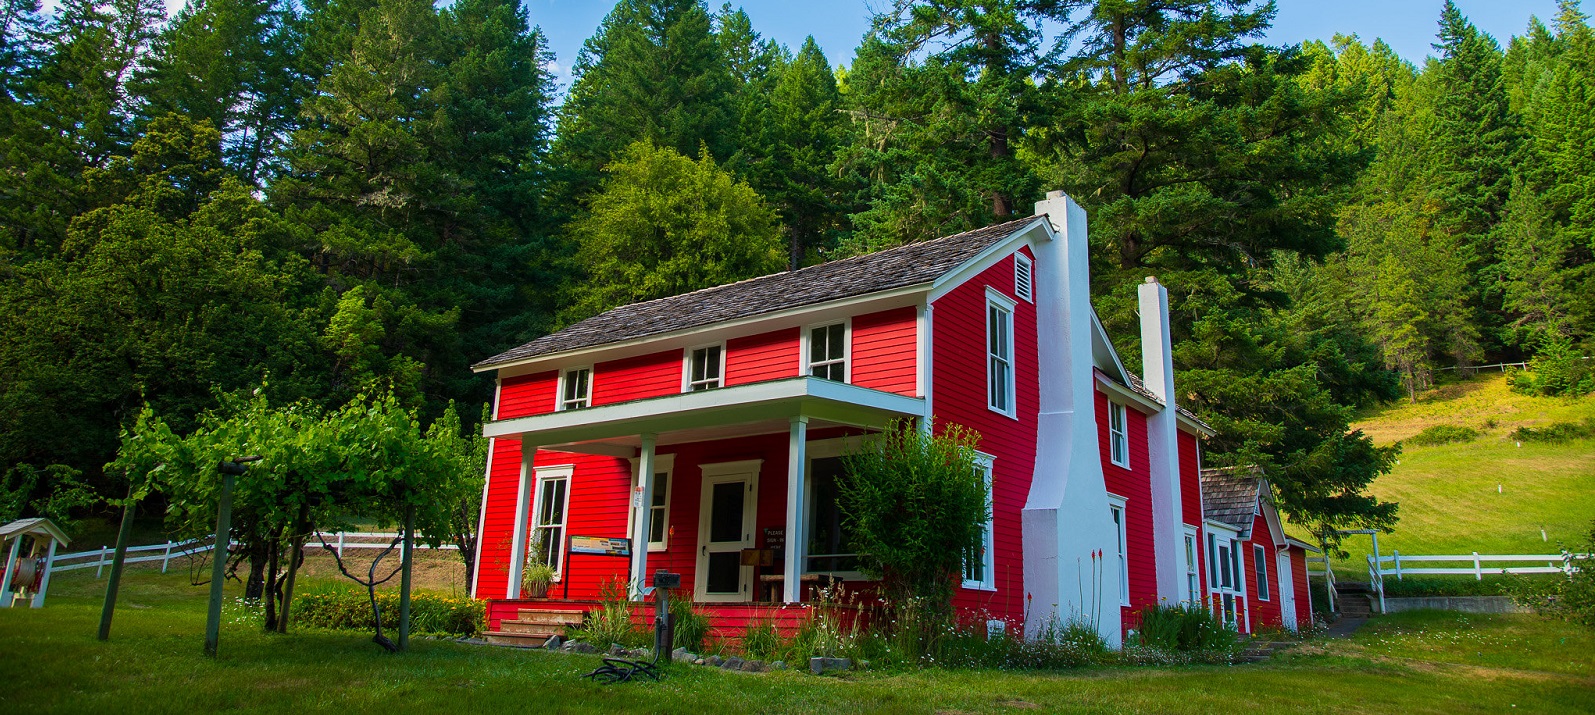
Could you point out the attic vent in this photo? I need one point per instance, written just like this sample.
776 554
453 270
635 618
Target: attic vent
1021 276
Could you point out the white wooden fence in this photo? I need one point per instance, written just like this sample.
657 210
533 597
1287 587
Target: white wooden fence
100 558
1473 564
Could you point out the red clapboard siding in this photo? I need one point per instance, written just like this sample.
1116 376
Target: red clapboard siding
958 389
1191 498
766 356
524 395
1264 613
1304 596
636 378
498 521
885 346
1135 485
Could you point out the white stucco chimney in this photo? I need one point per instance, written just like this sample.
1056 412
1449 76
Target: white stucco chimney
1068 530
1162 432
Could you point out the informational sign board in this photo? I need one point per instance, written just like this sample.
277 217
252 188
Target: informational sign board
775 537
600 546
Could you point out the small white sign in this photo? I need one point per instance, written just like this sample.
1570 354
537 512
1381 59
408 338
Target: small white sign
636 497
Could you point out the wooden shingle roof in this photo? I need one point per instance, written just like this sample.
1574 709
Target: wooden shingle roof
909 265
1230 494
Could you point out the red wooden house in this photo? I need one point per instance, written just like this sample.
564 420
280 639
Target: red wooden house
1259 575
707 428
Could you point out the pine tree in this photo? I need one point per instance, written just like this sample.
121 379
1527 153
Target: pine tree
941 93
653 72
801 130
1475 138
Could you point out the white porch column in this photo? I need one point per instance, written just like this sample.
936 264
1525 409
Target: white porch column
797 445
523 515
641 498
44 583
11 570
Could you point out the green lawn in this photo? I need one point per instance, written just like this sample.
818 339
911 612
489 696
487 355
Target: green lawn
1489 495
1419 663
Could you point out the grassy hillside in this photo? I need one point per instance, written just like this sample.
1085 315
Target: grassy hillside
1491 495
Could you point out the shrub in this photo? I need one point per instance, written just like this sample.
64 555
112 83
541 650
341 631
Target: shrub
1056 645
611 622
915 505
1443 434
760 640
1571 599
350 609
1556 432
1557 370
1191 629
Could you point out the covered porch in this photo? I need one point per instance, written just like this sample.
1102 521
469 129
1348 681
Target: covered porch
733 488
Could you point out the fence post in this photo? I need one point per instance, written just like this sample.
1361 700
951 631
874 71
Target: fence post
100 567
166 557
1398 565
340 544
1478 573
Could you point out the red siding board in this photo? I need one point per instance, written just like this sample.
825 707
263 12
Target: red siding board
1135 486
958 389
1264 614
885 350
1304 598
637 378
766 356
524 395
1191 499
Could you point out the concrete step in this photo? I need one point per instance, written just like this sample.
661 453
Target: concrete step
549 616
518 640
523 626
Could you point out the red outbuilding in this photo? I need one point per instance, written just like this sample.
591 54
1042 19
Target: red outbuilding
1259 578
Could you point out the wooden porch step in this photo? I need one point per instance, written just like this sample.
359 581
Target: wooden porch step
524 626
518 640
548 616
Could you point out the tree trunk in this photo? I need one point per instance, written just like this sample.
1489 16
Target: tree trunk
256 585
295 557
271 586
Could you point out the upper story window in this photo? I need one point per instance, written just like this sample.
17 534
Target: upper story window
576 388
1118 435
999 353
828 352
705 366
1023 277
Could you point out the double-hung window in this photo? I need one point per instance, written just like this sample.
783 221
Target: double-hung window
980 567
828 352
1118 435
576 389
548 519
999 353
1260 565
1193 590
705 367
1120 535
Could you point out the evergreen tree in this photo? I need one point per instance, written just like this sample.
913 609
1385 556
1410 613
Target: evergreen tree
1475 136
653 72
801 130
942 93
662 224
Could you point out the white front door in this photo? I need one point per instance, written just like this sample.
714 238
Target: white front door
725 528
1287 593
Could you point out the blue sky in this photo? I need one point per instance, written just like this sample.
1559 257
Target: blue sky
1407 25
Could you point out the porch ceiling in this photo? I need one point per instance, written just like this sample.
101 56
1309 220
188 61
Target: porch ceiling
758 408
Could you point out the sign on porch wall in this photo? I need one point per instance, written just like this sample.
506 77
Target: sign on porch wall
775 537
600 546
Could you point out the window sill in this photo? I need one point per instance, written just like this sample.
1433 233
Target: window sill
980 586
1009 414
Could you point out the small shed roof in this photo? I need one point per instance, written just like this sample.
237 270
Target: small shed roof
37 526
1230 494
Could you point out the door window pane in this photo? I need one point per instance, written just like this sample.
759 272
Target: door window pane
725 519
725 572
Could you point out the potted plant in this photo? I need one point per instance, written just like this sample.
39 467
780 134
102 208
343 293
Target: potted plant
535 578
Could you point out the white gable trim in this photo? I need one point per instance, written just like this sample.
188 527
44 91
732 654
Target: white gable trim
993 254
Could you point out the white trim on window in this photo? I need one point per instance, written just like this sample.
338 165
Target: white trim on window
549 527
690 380
1119 515
1260 567
575 401
1024 277
845 359
984 574
1193 576
1000 390
663 464
1118 434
